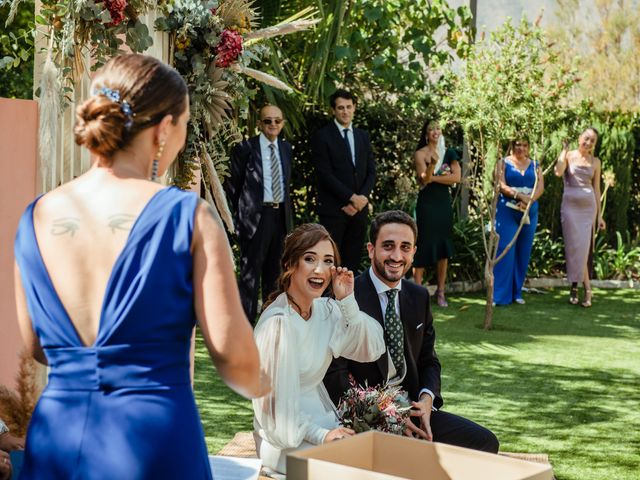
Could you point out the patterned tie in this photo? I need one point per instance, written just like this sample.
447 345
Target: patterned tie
393 332
276 181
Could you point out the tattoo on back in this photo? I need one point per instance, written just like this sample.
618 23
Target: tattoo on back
121 222
65 225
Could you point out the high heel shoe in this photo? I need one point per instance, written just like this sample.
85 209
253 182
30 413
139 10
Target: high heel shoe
573 295
440 298
586 303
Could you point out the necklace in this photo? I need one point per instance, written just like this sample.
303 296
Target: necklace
516 164
306 314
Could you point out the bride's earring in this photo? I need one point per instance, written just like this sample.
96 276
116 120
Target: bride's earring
156 161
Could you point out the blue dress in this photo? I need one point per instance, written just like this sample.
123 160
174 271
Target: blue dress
123 407
510 272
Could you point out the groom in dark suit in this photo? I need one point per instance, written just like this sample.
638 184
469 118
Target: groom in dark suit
258 190
402 307
346 173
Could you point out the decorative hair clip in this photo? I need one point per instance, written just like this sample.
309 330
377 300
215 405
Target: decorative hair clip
114 96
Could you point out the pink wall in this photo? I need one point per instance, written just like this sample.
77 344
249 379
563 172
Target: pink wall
18 158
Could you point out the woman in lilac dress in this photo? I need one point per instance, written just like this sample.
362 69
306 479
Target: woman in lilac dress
580 210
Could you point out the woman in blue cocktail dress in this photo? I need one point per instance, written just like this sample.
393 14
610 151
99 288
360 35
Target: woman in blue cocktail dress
112 273
518 187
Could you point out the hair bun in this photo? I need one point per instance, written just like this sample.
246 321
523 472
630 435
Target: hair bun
100 126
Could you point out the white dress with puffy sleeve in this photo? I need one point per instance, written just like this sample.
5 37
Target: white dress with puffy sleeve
296 354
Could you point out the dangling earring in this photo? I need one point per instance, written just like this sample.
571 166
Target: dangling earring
156 162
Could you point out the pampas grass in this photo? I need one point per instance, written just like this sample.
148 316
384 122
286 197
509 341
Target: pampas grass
261 77
302 20
209 178
12 12
50 113
16 406
278 30
217 191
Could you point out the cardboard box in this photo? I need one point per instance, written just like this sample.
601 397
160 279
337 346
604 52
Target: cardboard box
381 456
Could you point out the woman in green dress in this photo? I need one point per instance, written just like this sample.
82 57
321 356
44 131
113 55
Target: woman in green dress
437 169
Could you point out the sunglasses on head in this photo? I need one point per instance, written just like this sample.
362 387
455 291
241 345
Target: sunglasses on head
269 121
520 144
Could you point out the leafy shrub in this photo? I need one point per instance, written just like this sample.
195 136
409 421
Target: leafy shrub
619 263
467 263
547 255
16 51
393 137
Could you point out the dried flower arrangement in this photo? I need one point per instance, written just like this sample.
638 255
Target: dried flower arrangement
211 43
384 408
16 406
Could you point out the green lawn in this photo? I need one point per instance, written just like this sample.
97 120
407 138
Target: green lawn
550 377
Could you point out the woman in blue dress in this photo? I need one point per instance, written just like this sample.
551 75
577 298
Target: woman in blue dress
518 187
113 271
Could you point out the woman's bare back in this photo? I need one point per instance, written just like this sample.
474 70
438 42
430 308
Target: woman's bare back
81 228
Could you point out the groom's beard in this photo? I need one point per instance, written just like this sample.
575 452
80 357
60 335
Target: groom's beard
380 269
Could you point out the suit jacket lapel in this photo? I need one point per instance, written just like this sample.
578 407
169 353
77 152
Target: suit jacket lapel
339 139
407 317
257 156
371 306
356 147
285 164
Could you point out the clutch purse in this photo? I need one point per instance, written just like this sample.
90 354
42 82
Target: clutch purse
515 207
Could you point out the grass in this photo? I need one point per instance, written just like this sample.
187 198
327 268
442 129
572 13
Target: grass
549 378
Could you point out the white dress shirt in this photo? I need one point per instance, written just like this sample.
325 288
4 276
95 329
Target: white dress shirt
265 151
352 144
381 290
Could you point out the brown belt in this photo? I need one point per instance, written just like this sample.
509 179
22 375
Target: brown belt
271 204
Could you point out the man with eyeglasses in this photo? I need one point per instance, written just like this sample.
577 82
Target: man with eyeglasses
346 170
258 190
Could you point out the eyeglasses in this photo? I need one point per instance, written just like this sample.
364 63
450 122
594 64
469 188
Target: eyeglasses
269 121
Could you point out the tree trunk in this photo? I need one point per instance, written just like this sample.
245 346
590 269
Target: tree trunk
464 186
489 284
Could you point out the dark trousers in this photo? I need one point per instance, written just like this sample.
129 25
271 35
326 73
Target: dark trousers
349 233
260 260
454 430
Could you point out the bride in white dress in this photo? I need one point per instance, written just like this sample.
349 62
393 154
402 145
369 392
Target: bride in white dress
297 335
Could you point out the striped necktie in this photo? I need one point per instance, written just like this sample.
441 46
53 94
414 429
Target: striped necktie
276 178
394 333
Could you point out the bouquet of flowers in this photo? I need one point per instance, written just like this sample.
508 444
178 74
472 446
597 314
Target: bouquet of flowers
382 408
444 169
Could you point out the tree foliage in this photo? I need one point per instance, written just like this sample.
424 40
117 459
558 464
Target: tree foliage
512 86
383 50
602 40
16 52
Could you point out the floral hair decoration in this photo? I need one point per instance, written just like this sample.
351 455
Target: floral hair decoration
114 96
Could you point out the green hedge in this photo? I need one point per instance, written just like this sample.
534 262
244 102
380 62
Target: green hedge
394 137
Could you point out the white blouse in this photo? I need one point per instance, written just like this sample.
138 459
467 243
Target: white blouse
296 354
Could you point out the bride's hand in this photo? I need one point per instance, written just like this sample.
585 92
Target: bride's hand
337 434
342 282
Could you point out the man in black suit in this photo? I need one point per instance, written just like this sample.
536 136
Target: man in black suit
346 173
402 307
258 190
